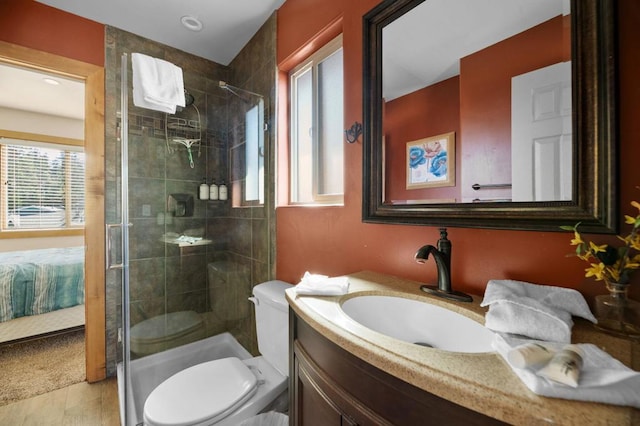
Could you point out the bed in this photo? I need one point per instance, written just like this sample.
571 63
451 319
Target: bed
37 285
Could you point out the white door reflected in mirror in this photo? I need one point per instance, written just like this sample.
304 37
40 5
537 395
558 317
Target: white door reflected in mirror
541 142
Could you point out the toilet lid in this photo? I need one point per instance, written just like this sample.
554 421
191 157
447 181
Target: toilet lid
205 392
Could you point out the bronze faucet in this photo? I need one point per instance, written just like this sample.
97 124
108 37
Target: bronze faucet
442 256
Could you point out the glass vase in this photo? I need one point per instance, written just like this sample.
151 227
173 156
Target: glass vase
616 313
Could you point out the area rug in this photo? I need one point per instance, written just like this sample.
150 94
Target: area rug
38 366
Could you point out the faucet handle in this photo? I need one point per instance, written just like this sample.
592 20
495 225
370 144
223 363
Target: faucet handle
443 233
444 244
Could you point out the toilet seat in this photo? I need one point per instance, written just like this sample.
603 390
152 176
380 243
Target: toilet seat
165 327
206 392
166 331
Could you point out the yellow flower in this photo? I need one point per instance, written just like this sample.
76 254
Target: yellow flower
577 240
596 248
620 261
631 264
585 256
596 270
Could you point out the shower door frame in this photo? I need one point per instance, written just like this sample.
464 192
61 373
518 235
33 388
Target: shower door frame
123 225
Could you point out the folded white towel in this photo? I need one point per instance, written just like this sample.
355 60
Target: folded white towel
322 285
157 84
602 377
537 311
188 239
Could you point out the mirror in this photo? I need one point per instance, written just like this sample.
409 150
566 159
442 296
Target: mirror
444 104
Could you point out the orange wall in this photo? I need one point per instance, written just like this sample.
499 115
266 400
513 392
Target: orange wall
485 104
333 240
37 26
431 111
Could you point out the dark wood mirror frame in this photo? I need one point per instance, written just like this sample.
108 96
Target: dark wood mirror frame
595 203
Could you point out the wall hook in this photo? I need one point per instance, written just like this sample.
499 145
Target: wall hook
354 132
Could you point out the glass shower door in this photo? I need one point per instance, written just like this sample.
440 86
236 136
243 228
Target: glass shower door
158 245
117 253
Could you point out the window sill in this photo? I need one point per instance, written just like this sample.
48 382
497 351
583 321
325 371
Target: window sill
309 205
38 233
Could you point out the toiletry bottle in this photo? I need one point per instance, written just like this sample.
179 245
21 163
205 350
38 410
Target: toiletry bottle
565 366
222 191
204 190
213 191
529 355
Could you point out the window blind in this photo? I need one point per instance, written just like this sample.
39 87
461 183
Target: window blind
43 186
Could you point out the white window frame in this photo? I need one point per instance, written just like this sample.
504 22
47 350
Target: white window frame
312 63
66 145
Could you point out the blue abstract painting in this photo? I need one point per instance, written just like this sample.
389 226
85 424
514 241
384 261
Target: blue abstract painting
431 162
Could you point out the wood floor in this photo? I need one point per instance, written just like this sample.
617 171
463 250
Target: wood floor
81 404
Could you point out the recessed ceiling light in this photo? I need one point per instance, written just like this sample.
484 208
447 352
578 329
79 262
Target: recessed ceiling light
191 23
51 81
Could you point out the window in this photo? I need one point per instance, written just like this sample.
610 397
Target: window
254 153
317 165
42 185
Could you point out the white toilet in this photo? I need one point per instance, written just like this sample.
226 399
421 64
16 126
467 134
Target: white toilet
225 392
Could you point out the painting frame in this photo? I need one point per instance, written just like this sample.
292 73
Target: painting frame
431 162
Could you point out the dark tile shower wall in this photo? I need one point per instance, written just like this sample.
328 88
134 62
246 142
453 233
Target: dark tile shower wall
252 230
163 277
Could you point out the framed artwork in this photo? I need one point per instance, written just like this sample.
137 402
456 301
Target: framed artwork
431 162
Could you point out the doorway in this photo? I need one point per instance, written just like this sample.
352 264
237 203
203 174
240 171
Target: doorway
94 271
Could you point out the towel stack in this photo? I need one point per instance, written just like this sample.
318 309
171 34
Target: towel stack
157 84
537 311
602 377
322 285
524 313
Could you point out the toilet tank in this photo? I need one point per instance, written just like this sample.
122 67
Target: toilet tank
272 323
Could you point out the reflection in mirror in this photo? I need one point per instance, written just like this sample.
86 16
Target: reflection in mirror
504 90
526 89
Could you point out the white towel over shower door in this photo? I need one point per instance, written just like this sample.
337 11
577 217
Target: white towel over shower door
541 134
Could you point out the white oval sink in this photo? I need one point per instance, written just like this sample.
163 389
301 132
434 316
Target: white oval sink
418 322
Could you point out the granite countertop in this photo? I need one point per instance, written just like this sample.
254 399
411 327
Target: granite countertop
482 382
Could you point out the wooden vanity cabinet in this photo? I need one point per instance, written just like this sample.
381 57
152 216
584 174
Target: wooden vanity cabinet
329 386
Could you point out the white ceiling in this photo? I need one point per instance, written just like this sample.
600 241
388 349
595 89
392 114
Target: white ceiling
227 25
26 90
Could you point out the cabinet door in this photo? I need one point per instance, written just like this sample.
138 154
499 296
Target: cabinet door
313 408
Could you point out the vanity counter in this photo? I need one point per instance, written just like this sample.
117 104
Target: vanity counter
481 382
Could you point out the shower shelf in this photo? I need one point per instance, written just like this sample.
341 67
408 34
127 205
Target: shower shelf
184 131
176 241
180 124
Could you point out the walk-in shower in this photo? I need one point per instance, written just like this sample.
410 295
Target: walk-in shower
185 301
